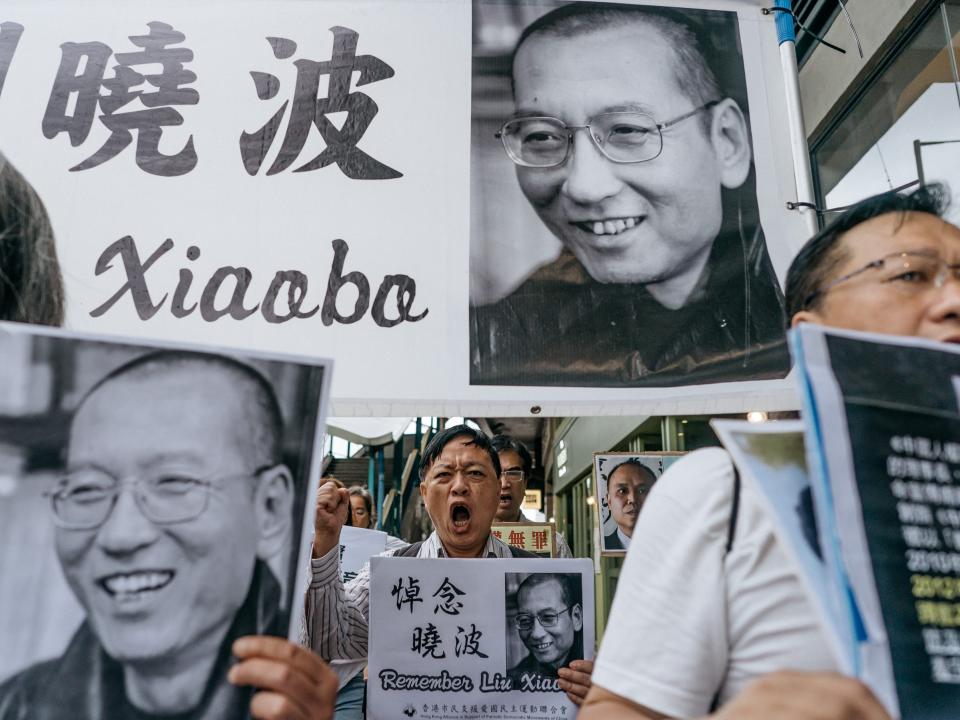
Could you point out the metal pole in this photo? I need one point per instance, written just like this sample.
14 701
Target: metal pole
798 134
381 488
668 433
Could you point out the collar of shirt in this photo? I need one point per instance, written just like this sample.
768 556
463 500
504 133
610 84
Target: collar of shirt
624 540
433 548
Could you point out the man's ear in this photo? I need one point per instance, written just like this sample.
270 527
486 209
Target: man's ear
423 493
576 614
808 316
731 142
273 505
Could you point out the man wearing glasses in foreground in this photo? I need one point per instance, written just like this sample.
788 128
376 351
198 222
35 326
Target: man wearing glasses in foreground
719 607
632 148
174 499
516 465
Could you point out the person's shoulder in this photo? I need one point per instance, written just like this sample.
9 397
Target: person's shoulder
21 693
526 665
611 541
702 478
394 544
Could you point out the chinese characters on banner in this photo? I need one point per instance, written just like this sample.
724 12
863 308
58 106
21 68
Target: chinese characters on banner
535 537
886 460
465 639
303 182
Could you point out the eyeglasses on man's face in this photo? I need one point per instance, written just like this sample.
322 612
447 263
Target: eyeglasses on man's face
622 137
906 273
546 618
513 476
84 499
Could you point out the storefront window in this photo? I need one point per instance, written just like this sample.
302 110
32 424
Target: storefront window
905 127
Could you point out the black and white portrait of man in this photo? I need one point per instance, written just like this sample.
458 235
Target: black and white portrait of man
171 505
629 137
545 610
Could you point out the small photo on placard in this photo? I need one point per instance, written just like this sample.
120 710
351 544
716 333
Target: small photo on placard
544 624
621 484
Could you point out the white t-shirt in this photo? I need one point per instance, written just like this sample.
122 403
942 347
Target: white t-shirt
688 619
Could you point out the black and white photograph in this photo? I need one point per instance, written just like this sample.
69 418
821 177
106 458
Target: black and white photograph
615 230
152 505
544 624
621 483
477 637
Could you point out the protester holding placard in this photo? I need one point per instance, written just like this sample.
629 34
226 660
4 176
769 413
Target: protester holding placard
459 484
31 286
516 465
710 563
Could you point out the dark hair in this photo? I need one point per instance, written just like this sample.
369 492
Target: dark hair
31 286
357 491
439 441
505 442
635 463
691 70
265 418
568 594
822 253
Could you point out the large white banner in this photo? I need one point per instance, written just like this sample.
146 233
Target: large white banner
377 182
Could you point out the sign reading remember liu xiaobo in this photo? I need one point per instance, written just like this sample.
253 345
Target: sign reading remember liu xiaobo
327 178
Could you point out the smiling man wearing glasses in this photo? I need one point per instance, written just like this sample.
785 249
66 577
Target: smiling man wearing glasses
549 621
175 498
638 159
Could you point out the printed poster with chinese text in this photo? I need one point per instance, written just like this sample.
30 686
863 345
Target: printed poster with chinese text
476 639
883 439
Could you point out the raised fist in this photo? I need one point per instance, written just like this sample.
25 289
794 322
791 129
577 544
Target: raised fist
333 504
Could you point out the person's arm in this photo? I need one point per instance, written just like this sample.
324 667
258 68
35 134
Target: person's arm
335 616
293 683
601 703
777 696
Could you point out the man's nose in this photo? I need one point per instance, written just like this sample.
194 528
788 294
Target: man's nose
945 304
590 177
459 484
537 631
126 528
